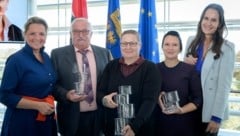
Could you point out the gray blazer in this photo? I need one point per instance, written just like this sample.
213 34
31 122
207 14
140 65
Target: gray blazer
216 79
65 64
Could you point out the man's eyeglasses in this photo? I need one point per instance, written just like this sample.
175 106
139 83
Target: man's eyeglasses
83 32
131 44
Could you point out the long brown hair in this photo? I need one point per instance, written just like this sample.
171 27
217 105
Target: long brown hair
217 36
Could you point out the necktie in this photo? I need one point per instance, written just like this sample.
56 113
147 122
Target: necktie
87 81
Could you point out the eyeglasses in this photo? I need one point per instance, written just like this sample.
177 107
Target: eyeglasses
131 44
83 32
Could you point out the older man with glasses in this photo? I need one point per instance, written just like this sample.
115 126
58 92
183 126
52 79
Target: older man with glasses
79 65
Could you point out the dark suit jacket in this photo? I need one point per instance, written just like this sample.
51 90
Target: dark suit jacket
65 64
15 33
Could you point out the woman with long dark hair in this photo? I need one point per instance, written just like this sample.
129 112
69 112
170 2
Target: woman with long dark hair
213 57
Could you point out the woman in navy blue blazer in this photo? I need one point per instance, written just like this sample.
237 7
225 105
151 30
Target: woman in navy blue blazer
27 85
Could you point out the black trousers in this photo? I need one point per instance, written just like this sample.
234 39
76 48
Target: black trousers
89 124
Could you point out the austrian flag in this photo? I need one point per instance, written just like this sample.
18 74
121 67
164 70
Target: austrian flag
79 9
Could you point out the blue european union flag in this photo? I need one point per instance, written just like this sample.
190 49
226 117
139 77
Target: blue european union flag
148 30
113 28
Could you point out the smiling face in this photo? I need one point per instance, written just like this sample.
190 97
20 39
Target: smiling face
130 47
171 47
210 22
35 36
81 33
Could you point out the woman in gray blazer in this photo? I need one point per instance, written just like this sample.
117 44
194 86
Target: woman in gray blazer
214 58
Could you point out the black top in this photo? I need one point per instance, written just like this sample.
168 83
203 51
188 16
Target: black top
15 33
145 82
183 78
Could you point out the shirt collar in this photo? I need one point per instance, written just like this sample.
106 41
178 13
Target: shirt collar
137 62
89 48
28 49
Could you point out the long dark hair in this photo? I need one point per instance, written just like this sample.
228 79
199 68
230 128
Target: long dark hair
217 36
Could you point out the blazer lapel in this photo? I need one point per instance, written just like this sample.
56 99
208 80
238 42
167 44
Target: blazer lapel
71 59
97 57
207 64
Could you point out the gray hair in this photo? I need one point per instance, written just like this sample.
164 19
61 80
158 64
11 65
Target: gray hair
81 20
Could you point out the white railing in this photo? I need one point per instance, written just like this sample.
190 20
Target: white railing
226 132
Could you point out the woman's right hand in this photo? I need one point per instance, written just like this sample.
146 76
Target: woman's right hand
190 60
177 110
108 101
45 108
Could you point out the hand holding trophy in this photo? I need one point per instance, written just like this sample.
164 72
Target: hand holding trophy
76 94
169 102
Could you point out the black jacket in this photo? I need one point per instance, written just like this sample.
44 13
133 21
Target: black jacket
15 33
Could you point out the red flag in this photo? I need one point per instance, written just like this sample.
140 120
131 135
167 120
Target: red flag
79 8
